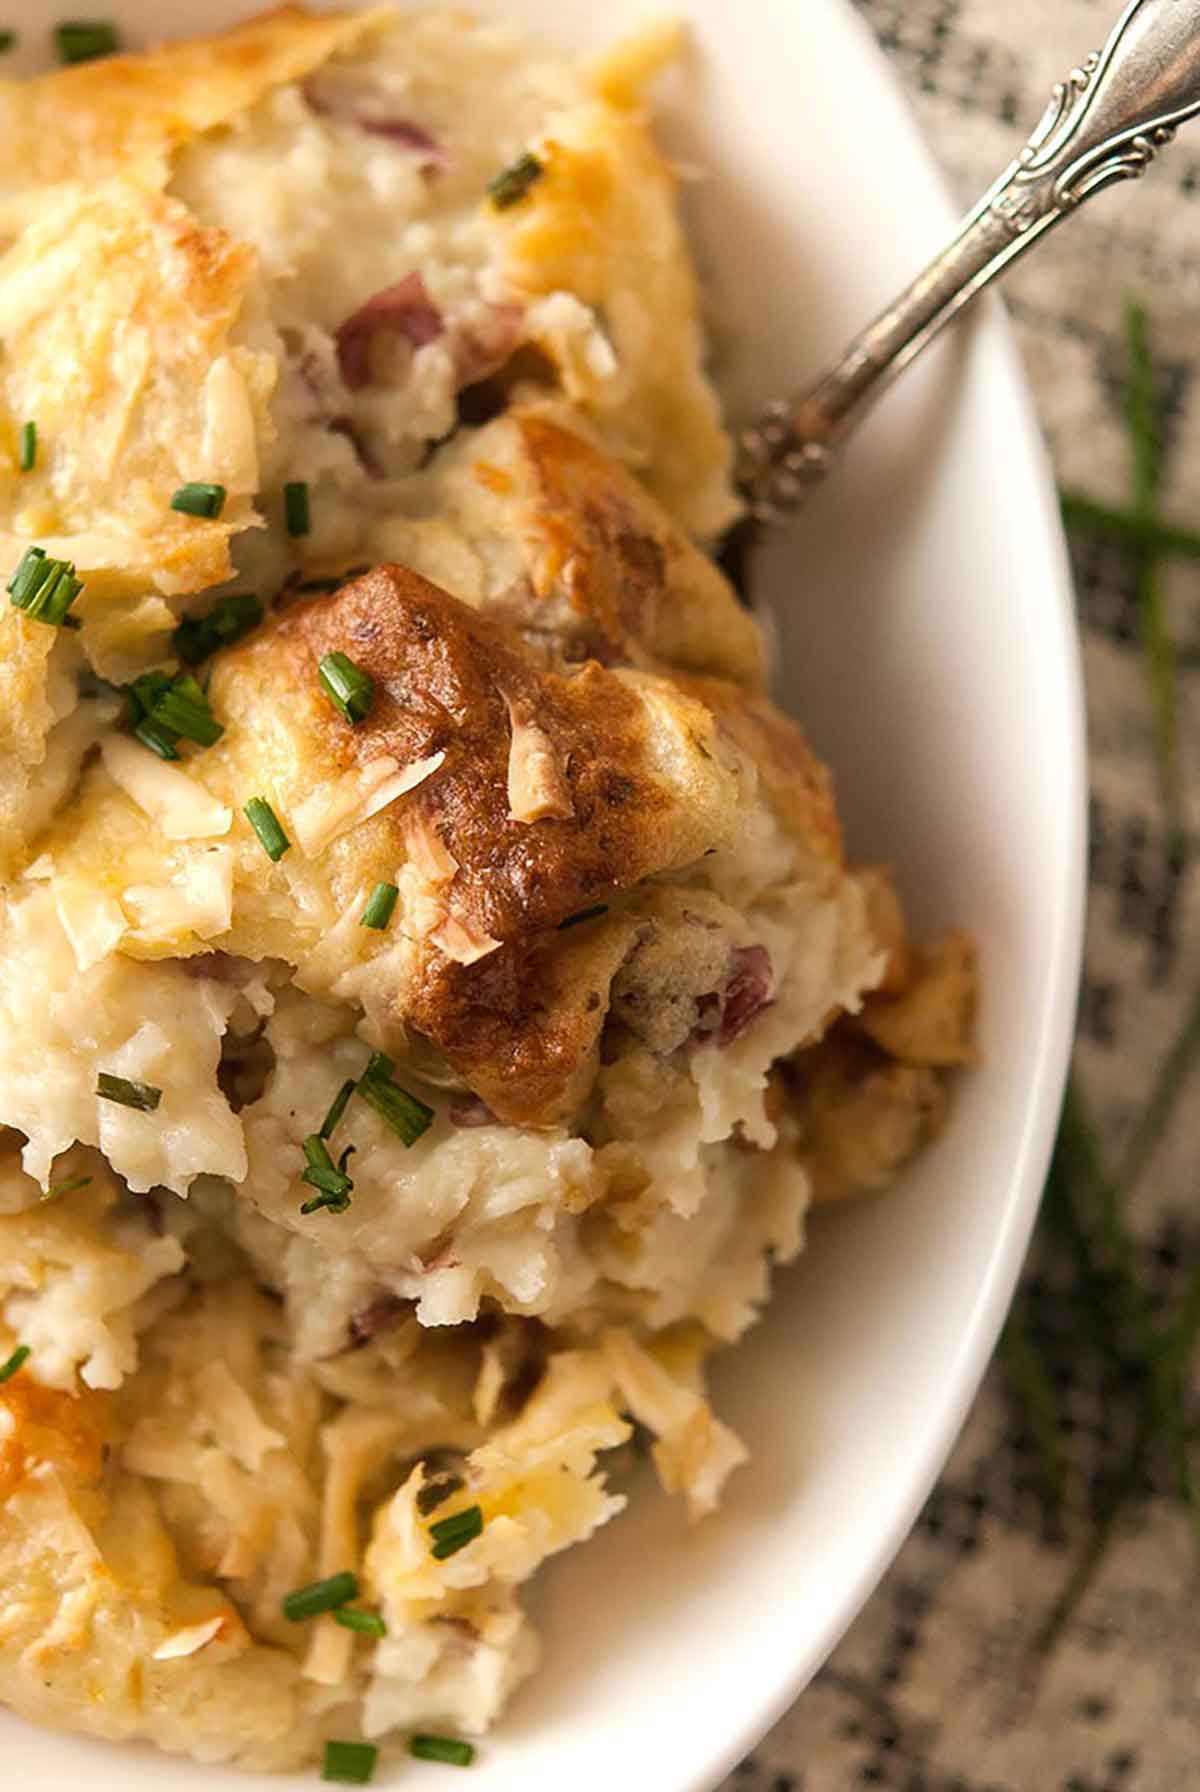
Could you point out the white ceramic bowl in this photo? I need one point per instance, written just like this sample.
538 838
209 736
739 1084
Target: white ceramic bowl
926 623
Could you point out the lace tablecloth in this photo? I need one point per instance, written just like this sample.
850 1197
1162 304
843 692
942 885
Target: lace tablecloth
945 1684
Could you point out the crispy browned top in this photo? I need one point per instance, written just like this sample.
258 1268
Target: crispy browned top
443 674
608 557
798 784
43 1425
523 1026
656 771
88 120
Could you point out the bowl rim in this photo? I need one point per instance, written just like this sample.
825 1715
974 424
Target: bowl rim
1050 1053
1051 1029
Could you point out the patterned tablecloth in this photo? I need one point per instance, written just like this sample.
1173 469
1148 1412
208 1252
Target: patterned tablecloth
944 1683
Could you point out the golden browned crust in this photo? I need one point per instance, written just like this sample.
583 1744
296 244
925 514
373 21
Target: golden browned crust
798 784
112 359
885 918
875 1090
523 1025
610 575
862 1114
602 223
128 112
930 1019
442 675
652 776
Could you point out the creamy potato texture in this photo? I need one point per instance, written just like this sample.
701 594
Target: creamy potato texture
432 988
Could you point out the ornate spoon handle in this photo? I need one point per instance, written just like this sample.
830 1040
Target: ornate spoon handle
1104 123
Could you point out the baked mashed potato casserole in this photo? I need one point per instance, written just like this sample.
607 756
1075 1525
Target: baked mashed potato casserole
432 989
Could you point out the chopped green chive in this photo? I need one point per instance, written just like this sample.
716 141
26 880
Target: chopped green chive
442 1748
366 1623
142 695
451 1534
512 183
82 40
406 1116
185 708
30 572
169 709
45 588
329 1179
585 914
20 1355
8 41
320 1596
435 1493
55 1189
349 1763
127 1093
296 507
325 1200
27 450
348 687
197 637
156 739
337 1109
264 821
198 499
379 909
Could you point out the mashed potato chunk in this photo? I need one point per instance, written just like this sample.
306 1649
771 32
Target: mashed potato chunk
432 988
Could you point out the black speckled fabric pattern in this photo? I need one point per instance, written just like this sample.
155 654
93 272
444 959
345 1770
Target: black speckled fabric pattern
940 1685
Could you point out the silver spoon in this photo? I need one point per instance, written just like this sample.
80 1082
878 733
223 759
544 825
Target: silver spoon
1104 123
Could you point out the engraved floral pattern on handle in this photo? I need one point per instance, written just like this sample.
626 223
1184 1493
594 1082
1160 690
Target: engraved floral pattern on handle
1105 123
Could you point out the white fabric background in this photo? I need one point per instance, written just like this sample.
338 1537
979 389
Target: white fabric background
938 1687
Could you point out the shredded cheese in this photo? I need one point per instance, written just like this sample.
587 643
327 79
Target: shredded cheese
92 923
189 1640
537 775
462 942
360 793
198 899
179 803
229 450
427 851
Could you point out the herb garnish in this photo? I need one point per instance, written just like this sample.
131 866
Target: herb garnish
1118 1316
330 1180
54 1189
265 822
380 907
166 710
320 1596
296 508
435 1493
198 637
404 1113
128 1093
366 1623
27 447
45 588
585 914
82 40
199 499
19 1356
337 1108
442 1748
349 1763
348 687
1145 436
513 182
449 1535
